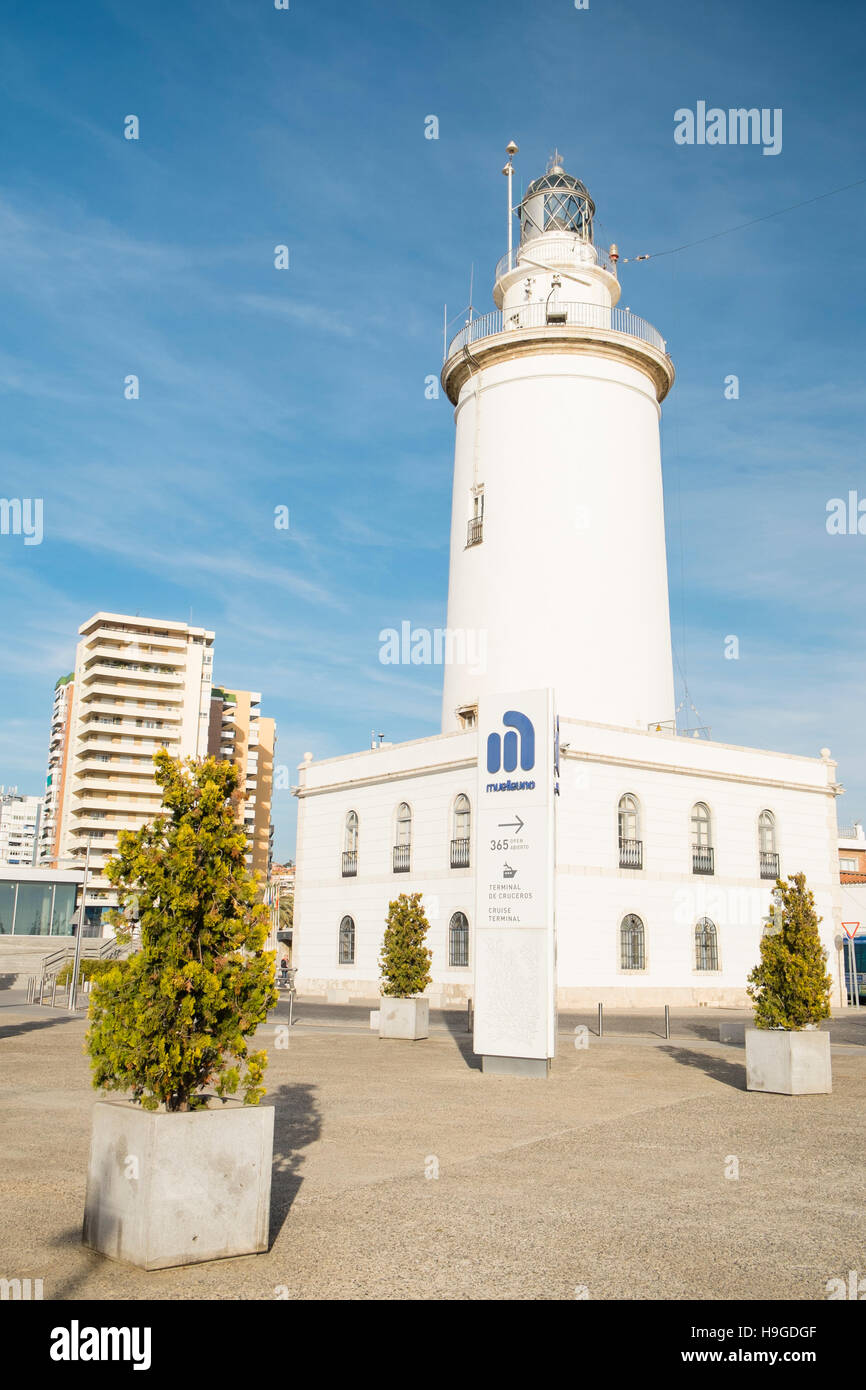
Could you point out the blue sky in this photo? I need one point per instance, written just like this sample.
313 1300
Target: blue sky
305 388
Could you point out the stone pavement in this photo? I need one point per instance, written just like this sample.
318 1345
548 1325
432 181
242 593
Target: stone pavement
608 1177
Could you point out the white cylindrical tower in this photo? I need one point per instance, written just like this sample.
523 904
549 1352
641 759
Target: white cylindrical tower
558 575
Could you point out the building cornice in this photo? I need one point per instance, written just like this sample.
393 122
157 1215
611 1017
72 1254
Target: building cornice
570 339
398 775
716 774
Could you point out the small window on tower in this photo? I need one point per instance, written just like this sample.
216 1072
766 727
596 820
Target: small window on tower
468 716
476 521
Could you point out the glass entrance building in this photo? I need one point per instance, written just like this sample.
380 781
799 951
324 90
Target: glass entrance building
37 902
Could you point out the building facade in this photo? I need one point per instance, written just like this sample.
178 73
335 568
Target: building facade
238 733
139 684
20 820
667 848
55 780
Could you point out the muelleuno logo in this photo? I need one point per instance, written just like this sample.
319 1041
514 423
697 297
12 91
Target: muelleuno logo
503 751
737 126
76 1343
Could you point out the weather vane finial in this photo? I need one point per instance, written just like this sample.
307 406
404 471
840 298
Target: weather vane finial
554 165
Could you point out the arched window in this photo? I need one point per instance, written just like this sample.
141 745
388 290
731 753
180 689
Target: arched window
402 838
458 939
767 832
461 832
404 824
347 941
702 839
350 845
706 945
632 945
767 851
628 825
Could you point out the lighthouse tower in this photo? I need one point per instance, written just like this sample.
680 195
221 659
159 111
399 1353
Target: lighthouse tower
558 574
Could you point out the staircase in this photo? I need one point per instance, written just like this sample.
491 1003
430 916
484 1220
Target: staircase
45 988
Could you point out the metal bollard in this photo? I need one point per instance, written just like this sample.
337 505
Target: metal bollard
601 1020
469 1015
667 1020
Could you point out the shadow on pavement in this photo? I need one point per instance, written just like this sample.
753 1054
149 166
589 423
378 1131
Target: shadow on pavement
729 1073
11 1030
297 1123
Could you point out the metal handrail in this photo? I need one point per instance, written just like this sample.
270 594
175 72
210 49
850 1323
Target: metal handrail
537 315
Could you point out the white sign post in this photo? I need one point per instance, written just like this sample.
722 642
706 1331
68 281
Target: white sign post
515 945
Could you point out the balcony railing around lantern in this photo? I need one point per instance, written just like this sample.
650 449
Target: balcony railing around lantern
350 863
703 857
564 251
475 530
548 313
631 854
769 864
401 858
460 854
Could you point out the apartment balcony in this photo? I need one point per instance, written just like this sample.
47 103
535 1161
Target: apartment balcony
108 765
126 735
97 786
111 637
769 864
350 863
132 671
117 804
703 859
460 854
631 854
401 859
156 696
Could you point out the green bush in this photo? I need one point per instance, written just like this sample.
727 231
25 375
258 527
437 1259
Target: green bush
174 1018
404 960
790 988
89 969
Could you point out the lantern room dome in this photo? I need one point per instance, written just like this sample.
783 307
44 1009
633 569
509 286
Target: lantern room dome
556 202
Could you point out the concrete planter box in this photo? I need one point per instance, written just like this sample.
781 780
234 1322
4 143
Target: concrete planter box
404 1018
787 1063
175 1189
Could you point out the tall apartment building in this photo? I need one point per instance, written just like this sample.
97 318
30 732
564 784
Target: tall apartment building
55 781
139 684
19 826
239 733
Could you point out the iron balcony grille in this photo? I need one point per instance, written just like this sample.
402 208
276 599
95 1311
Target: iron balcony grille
350 863
475 530
769 864
460 854
631 854
703 859
402 855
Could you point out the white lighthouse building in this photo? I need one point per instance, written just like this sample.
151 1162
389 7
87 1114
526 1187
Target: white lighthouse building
666 848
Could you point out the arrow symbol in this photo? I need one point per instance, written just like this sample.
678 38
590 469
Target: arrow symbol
511 825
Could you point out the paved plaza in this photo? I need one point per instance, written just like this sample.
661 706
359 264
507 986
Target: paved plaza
402 1172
